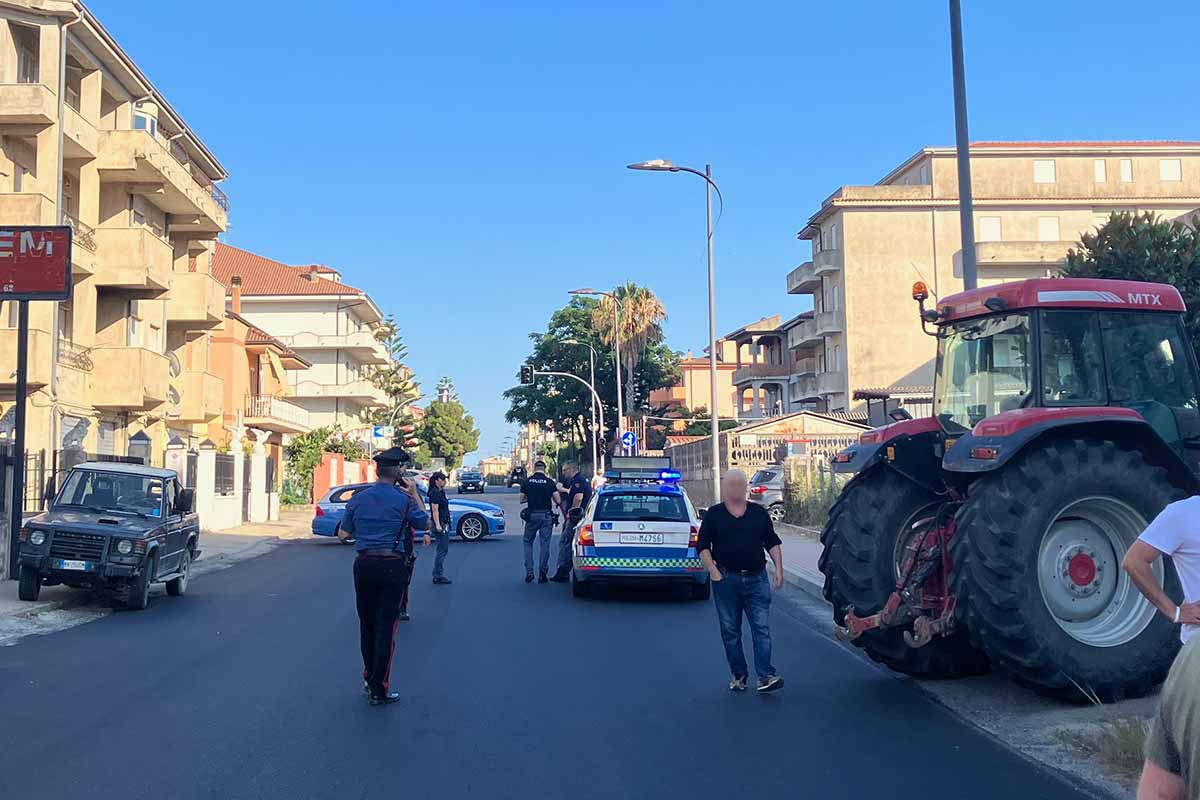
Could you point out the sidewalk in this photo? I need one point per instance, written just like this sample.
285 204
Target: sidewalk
801 550
218 550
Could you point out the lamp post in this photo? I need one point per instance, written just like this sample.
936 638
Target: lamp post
596 465
616 349
662 165
962 146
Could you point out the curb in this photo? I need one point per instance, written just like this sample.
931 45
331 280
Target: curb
811 583
220 561
50 605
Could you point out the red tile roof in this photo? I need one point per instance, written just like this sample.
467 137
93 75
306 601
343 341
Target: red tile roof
676 441
1075 145
263 276
256 335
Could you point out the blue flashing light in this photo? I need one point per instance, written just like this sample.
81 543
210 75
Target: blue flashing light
669 475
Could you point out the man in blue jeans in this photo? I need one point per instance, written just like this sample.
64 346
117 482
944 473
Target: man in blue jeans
733 538
439 517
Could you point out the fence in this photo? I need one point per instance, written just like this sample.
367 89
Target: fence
225 482
270 485
810 489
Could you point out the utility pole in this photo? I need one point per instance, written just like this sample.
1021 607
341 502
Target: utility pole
962 143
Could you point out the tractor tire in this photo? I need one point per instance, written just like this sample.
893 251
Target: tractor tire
859 562
1038 571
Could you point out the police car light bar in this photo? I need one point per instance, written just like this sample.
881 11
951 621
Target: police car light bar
641 469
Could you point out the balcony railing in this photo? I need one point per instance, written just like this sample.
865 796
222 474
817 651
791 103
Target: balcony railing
176 149
748 372
81 234
267 407
73 356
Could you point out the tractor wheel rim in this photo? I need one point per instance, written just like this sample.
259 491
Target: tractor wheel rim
472 528
908 531
1082 584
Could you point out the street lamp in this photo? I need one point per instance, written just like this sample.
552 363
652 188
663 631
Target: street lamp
592 372
616 349
662 165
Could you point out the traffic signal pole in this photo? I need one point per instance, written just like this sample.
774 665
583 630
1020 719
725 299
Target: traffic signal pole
17 500
962 144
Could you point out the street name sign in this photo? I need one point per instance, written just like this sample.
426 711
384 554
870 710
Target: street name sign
35 262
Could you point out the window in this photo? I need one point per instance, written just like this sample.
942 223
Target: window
66 323
982 369
1170 169
25 40
1043 171
1071 361
114 492
833 232
640 507
145 122
1047 229
925 174
134 327
1126 170
1147 361
837 359
19 174
1100 170
989 230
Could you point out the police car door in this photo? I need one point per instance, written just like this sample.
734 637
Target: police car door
641 522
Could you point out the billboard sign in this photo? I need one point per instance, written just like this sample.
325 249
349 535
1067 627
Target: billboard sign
35 262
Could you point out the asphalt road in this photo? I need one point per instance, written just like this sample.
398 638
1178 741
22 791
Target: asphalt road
249 688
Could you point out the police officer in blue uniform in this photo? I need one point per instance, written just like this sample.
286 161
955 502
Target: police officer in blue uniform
578 491
377 518
541 494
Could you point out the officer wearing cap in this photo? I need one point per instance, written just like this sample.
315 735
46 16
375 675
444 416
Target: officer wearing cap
541 494
377 517
439 507
578 491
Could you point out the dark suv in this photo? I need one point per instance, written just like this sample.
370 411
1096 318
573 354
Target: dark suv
118 527
471 481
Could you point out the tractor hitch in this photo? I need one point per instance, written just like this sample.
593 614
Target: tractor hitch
855 626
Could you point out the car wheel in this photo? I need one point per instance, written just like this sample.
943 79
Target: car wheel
139 588
776 512
29 585
472 528
177 587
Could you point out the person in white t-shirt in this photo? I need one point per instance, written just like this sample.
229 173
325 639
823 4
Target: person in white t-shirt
1175 532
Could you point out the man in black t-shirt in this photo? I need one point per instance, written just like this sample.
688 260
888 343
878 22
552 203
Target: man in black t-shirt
733 537
439 514
576 492
541 493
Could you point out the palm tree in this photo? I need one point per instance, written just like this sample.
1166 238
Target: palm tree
642 315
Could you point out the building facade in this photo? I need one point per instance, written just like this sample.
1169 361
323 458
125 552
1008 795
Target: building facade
1032 202
693 389
96 146
328 324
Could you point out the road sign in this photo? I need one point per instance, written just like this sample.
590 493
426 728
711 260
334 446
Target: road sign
629 439
35 262
383 432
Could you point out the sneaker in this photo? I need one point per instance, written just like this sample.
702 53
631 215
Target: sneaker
366 689
737 685
771 684
384 699
543 579
442 581
529 577
560 577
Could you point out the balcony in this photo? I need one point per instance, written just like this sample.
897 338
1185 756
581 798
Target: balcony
40 358
83 246
133 258
128 377
360 391
29 104
758 372
196 300
831 383
276 414
80 137
165 176
803 279
810 332
826 262
26 208
362 344
197 397
1021 254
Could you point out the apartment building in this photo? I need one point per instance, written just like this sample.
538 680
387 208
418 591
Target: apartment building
327 323
870 243
98 147
694 388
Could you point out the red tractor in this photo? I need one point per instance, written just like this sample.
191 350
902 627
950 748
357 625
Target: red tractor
1065 417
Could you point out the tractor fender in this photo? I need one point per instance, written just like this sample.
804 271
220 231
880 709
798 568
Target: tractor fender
906 446
996 440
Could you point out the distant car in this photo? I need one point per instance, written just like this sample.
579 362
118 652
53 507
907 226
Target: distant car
516 476
766 489
472 520
471 481
419 476
118 527
639 531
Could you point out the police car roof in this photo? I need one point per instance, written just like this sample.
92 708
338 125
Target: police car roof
130 469
644 486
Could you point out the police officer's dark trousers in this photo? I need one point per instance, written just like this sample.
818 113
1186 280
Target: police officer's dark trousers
379 583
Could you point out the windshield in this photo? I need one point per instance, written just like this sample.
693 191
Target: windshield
115 492
983 368
641 507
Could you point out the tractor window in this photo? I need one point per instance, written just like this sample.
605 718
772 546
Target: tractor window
983 368
1147 361
1072 367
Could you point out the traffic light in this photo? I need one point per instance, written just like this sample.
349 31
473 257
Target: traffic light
526 373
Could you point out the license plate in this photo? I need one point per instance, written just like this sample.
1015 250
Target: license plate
641 538
76 566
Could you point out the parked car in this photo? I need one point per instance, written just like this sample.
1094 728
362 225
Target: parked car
471 481
472 520
516 476
421 477
117 527
766 489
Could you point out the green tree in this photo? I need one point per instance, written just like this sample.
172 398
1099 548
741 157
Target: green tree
641 316
449 432
305 452
1144 247
394 379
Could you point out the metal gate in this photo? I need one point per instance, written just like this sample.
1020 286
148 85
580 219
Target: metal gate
246 462
193 463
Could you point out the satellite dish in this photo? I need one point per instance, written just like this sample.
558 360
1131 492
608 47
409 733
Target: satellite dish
173 397
175 367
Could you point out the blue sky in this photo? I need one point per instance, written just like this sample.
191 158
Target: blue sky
464 162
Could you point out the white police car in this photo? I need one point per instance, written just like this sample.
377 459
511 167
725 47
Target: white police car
639 527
